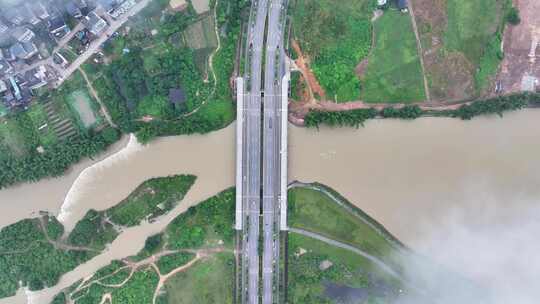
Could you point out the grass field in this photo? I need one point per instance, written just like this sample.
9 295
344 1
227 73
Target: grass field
82 104
349 279
11 140
477 35
207 282
201 37
393 73
3 110
336 35
462 47
315 211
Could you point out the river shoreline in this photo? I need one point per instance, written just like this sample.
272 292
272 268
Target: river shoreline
48 193
407 175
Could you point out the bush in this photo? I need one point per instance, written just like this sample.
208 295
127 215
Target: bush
353 118
407 112
513 16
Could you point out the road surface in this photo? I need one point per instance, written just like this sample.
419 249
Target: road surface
271 155
252 149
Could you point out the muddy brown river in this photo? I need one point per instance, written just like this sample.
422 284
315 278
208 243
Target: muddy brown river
407 175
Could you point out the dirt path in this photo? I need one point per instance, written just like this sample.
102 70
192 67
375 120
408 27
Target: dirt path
298 110
210 63
348 247
420 50
107 298
133 267
364 219
103 109
312 83
61 245
164 278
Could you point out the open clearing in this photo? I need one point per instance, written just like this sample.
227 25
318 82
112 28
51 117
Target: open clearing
521 55
310 282
206 282
394 73
334 36
201 6
461 45
82 103
314 211
201 37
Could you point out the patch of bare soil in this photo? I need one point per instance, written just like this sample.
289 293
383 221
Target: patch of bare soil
521 48
450 74
360 69
303 64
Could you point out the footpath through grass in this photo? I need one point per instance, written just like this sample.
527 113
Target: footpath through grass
321 273
314 211
393 73
207 227
207 282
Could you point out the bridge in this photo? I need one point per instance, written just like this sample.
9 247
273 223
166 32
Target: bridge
261 160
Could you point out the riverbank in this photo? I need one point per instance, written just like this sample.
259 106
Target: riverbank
29 199
312 113
410 176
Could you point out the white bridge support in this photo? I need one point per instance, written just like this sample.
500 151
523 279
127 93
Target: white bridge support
284 150
239 152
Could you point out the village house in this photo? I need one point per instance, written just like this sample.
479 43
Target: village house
94 23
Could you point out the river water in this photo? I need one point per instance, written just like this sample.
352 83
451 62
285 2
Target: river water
408 175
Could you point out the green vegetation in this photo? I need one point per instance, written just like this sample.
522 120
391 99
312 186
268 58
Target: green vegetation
489 62
152 198
207 282
309 283
497 105
207 224
513 16
138 289
32 251
143 64
55 160
393 73
206 229
315 211
93 231
468 31
170 262
322 273
27 256
136 84
336 35
355 118
46 139
406 112
477 36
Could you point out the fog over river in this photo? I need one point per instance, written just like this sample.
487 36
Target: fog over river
462 193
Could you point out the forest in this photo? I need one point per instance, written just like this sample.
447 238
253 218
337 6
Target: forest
55 160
